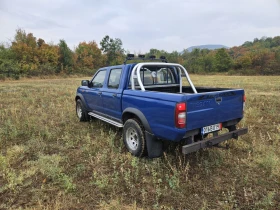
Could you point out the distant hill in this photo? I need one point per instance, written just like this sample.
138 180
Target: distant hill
207 46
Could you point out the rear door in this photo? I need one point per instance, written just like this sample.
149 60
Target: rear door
111 95
209 108
93 94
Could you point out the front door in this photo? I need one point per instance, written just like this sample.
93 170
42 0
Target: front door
111 95
93 95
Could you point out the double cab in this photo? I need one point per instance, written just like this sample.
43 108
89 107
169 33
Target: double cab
155 102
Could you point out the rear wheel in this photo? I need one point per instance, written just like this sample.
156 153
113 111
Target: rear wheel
134 137
81 112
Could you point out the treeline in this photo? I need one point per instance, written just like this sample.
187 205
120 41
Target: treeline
260 57
26 55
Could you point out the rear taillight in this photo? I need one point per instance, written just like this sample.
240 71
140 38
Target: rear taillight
180 115
244 100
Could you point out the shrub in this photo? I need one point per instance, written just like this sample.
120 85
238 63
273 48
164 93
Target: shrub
231 72
2 77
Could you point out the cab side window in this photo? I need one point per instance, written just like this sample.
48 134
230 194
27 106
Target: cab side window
98 80
114 78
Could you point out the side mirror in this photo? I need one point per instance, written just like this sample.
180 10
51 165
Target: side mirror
85 83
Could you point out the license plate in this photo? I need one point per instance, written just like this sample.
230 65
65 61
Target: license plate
211 128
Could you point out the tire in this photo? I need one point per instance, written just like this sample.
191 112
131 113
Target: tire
134 137
81 112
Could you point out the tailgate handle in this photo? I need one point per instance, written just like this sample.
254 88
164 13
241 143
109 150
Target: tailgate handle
219 100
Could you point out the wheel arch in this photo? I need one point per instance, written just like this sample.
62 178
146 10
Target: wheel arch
80 96
129 113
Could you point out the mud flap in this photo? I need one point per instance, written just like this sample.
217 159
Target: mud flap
154 146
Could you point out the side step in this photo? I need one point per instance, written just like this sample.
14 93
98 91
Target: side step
119 125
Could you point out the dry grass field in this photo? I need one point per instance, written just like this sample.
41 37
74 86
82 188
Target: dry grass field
49 160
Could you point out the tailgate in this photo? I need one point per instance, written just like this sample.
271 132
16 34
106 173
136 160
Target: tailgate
209 108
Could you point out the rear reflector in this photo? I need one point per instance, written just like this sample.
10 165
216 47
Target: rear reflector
244 98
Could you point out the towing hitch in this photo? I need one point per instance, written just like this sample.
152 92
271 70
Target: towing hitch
222 147
209 144
214 141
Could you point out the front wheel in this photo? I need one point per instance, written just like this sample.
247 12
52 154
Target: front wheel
134 137
81 112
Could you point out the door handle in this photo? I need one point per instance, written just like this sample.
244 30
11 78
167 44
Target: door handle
99 93
114 95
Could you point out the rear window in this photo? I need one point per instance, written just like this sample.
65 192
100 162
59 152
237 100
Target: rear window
156 76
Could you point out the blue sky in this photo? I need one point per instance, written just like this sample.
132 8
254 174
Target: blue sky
141 25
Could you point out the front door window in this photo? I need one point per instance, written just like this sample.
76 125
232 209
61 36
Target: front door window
99 79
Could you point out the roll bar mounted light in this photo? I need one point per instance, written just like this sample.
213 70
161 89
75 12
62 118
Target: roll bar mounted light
130 57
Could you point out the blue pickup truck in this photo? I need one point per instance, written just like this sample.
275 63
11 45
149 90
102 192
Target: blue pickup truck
154 102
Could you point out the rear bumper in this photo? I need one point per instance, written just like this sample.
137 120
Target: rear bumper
212 141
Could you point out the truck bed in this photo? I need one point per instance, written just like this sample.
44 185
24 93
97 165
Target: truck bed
203 108
207 107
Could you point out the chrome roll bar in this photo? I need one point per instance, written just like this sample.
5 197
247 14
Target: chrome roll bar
138 66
